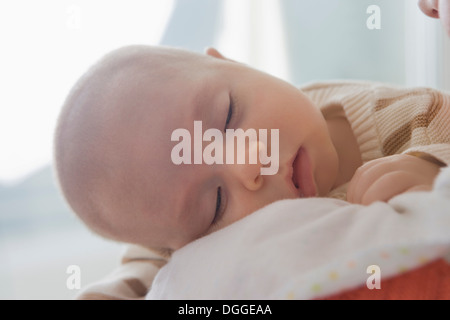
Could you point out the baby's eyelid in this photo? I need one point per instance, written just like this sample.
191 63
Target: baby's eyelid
218 202
229 115
220 206
231 112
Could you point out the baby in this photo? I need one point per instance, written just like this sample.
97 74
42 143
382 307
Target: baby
113 143
439 9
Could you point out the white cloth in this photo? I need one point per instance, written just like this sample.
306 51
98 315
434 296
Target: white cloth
310 248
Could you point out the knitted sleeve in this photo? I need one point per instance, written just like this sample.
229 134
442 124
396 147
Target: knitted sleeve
131 280
390 120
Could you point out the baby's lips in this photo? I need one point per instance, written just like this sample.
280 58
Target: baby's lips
303 174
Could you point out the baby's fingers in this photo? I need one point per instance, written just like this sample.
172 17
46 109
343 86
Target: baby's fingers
388 186
363 178
383 178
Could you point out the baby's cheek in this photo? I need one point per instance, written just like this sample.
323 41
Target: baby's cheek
239 210
444 14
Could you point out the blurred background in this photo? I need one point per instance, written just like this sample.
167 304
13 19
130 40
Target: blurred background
48 44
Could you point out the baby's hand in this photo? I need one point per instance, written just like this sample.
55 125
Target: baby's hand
384 178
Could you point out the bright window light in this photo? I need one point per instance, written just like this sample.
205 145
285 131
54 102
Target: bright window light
46 46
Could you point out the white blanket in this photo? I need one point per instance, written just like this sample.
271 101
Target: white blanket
310 248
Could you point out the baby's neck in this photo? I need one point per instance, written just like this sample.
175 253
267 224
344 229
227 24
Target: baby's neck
345 143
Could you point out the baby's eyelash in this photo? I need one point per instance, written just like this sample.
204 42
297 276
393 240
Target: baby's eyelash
219 205
230 114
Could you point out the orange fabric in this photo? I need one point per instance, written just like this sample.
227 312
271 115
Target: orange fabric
430 282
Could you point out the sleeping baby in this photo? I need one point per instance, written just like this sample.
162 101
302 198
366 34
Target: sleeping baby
358 141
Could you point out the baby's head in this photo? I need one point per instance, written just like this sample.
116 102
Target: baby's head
439 9
114 145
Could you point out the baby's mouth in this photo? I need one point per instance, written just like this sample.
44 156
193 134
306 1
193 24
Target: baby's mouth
294 177
302 177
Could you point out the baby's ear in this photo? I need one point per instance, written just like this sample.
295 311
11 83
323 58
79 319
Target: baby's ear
216 54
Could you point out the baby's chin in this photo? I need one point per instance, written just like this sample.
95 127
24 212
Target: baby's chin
326 179
323 188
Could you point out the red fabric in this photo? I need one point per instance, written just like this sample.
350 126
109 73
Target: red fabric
430 282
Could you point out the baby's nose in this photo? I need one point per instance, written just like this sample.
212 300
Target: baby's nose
249 174
430 7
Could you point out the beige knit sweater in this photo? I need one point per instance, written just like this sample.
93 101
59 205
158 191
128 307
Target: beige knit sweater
386 120
389 120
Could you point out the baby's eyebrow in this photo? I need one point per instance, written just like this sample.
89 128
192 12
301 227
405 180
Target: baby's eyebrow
201 103
200 106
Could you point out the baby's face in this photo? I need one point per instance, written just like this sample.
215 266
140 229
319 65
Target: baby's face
184 202
439 9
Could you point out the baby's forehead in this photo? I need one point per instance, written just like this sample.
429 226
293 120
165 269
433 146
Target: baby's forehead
156 64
